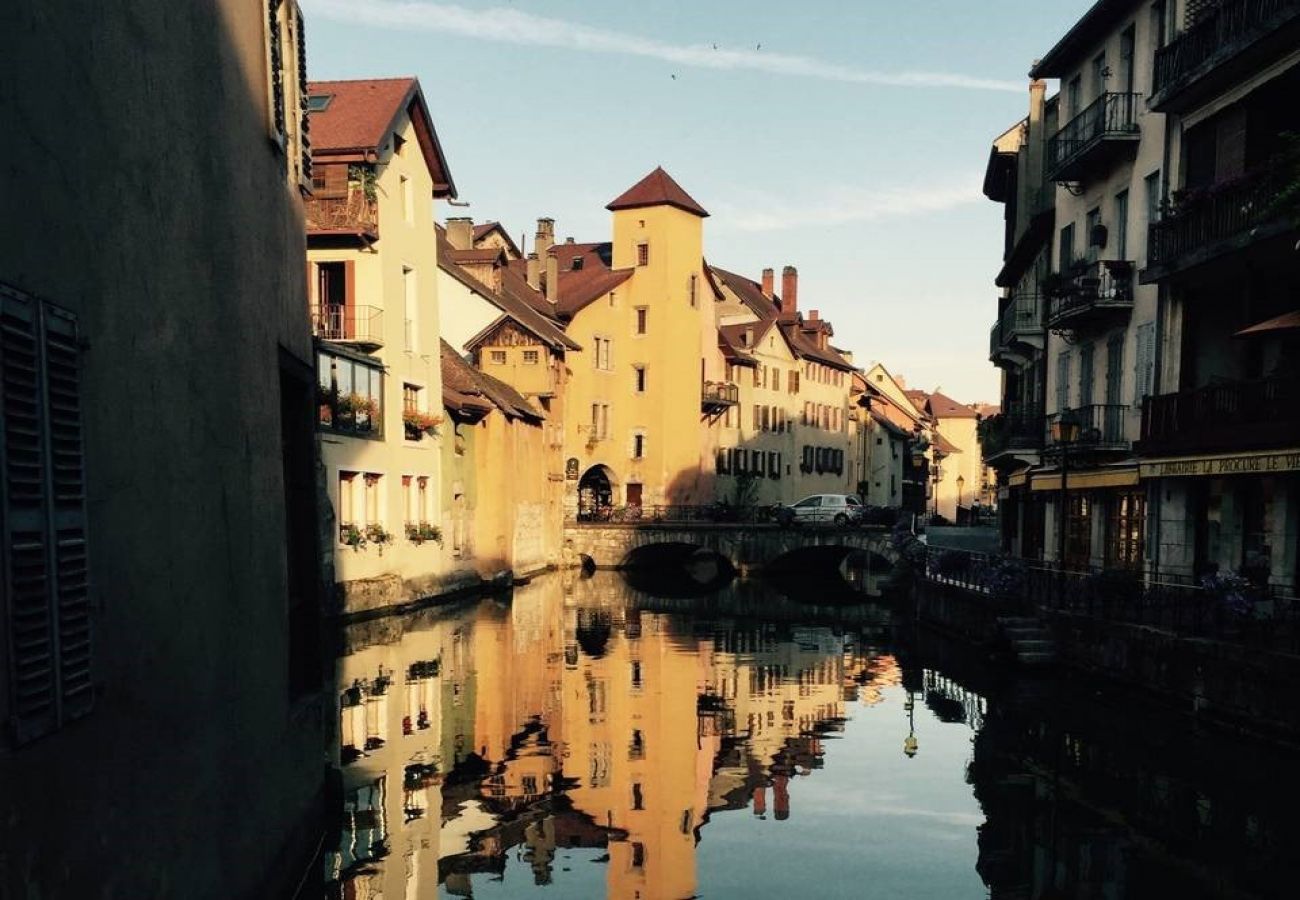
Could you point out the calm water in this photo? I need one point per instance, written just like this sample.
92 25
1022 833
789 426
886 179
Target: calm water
585 738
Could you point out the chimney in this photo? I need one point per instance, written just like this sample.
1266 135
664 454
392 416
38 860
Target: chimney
460 233
789 294
814 316
552 282
545 237
534 272
769 278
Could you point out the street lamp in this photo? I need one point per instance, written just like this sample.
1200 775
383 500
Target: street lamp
910 743
1065 431
961 483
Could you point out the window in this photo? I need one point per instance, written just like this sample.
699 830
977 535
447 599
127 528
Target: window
1158 23
422 498
603 354
1151 184
599 421
1125 527
638 374
638 800
1065 255
767 418
1093 225
350 395
408 199
408 501
1099 74
319 102
43 520
1063 382
497 357
576 264
410 398
793 381
642 314
372 494
1085 374
638 445
412 299
758 417
776 379
1127 70
1121 225
643 254
691 287
531 357
1074 96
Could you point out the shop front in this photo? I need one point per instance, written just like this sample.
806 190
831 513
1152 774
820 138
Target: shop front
1235 513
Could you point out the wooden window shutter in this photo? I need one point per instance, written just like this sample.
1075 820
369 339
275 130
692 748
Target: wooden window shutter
43 544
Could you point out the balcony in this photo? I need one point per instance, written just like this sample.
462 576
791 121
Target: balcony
1102 426
1240 415
1215 221
717 396
1096 293
1018 331
1223 47
1015 436
1106 130
359 326
353 214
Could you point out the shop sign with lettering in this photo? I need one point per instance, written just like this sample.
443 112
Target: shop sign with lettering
1251 464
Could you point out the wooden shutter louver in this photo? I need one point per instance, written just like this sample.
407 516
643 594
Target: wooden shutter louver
43 539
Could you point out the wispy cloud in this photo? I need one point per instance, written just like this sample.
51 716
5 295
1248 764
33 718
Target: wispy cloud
511 26
757 212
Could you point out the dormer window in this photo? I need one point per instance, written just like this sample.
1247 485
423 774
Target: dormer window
577 263
749 337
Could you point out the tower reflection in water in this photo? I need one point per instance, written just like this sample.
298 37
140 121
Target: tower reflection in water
570 721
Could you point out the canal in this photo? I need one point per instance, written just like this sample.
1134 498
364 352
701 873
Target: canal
584 737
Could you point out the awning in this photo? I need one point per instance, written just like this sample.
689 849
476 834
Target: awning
1285 322
1223 464
1095 478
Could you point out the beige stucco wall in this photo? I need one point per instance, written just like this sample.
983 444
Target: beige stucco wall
678 463
966 465
154 207
410 354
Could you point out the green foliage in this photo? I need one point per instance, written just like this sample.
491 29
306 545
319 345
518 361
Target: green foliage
745 491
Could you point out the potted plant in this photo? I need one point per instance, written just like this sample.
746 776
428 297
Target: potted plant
375 534
418 424
419 533
1234 593
351 536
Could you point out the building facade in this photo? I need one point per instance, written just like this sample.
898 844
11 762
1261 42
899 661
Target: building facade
372 261
160 595
1171 277
1220 436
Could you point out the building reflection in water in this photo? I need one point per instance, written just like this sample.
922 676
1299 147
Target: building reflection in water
572 718
587 723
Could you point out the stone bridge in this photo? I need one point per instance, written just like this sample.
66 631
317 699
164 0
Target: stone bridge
748 548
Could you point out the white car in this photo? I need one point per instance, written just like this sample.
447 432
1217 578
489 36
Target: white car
824 509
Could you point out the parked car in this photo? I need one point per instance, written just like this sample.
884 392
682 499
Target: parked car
823 509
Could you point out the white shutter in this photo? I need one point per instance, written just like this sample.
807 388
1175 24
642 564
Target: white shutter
1144 377
43 542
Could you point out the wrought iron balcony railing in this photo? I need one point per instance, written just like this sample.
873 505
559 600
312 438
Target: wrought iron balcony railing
1097 289
1205 223
353 213
1102 426
1017 430
1106 125
719 395
1019 327
1239 415
360 325
1227 30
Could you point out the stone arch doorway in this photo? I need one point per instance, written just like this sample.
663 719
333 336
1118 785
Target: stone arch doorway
596 494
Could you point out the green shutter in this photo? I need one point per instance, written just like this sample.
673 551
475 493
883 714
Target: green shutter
46 618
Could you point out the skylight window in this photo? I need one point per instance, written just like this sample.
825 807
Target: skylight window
318 102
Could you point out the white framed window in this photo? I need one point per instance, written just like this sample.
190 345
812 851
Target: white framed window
531 357
497 357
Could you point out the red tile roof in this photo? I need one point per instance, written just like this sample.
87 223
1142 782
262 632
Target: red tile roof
483 229
512 299
944 407
362 113
468 391
657 189
580 288
749 293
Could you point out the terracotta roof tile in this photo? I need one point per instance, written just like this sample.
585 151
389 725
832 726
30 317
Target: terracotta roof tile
749 292
361 113
657 189
466 389
483 229
944 407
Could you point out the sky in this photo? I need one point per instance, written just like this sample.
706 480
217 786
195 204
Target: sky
847 138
